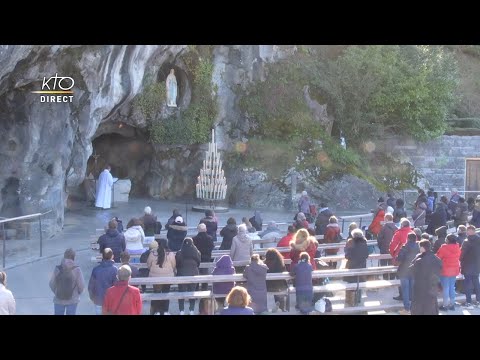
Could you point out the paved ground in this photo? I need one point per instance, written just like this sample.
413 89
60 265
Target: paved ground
28 275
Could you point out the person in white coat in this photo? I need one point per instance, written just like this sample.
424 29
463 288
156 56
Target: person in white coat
7 301
103 198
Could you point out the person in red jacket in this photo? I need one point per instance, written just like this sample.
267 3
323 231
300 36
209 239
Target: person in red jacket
378 216
398 240
332 235
303 241
285 241
449 253
122 299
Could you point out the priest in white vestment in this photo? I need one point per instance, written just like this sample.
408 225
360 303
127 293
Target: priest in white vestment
103 198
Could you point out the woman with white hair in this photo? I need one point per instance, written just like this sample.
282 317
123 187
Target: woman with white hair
304 205
242 247
150 222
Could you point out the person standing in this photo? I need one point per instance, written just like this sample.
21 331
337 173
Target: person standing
426 269
161 263
103 277
441 234
399 211
323 218
302 271
391 200
404 259
187 260
223 266
211 223
67 284
398 240
303 242
275 264
256 220
384 238
256 275
285 241
204 244
470 265
176 233
122 298
379 214
439 217
461 213
476 213
7 301
112 239
461 234
103 198
242 248
356 253
304 206
449 253
332 236
228 233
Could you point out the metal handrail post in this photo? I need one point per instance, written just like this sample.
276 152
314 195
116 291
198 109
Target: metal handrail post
4 244
41 236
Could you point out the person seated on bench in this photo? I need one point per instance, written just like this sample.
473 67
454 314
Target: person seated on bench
275 264
303 241
161 262
248 224
302 271
332 235
238 300
356 253
301 221
256 220
285 241
256 275
223 266
188 261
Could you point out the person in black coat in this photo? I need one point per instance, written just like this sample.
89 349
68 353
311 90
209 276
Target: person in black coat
187 262
426 269
438 218
256 220
150 224
356 253
391 200
323 219
441 234
211 224
399 211
205 245
176 233
470 265
407 253
228 233
112 239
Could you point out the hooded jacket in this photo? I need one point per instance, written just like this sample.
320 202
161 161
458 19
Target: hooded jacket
323 218
242 247
175 235
187 261
450 256
79 282
224 266
228 233
256 220
285 242
356 253
211 225
303 276
134 238
114 240
256 275
385 236
103 276
376 225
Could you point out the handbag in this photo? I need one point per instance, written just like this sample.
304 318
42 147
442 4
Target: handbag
119 303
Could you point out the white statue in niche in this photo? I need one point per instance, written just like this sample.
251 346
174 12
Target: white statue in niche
171 89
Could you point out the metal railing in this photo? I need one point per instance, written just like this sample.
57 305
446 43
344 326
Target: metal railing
4 221
411 195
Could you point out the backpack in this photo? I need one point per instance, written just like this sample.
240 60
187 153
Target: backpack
64 283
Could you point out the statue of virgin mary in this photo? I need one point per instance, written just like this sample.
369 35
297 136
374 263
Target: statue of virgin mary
171 89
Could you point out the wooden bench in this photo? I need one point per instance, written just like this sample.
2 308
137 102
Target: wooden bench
177 295
335 287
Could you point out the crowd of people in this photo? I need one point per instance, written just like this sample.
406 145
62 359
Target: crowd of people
423 264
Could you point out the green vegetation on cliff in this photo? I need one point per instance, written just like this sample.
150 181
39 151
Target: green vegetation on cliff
370 91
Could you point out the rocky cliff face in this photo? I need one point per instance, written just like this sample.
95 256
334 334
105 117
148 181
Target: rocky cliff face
44 155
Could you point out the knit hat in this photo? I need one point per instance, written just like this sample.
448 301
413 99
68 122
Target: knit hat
179 219
153 245
202 228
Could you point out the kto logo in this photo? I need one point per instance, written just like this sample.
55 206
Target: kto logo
59 85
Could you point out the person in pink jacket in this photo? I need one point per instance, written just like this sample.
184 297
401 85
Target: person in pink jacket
449 253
